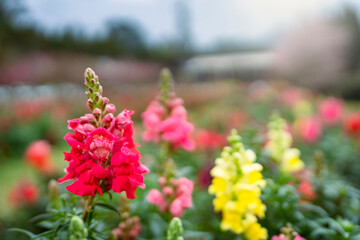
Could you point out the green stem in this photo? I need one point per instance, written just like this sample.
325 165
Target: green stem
88 207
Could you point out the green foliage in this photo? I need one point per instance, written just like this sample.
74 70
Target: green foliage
282 204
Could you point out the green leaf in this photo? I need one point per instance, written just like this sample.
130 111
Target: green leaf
19 230
43 234
40 217
109 207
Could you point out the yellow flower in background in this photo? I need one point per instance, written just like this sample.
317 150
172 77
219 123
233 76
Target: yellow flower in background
237 184
279 146
291 161
278 139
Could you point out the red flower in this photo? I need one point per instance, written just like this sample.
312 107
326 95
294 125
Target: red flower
126 169
306 190
91 148
38 155
89 175
206 139
24 192
352 124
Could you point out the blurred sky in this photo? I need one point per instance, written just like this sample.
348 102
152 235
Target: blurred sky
210 20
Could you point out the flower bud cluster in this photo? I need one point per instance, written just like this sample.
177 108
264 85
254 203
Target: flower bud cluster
175 230
77 229
175 195
130 226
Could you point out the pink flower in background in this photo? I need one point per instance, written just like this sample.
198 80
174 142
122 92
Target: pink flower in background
152 118
291 96
183 196
209 140
280 237
25 192
156 197
309 128
284 237
168 123
38 155
176 131
128 229
331 110
176 195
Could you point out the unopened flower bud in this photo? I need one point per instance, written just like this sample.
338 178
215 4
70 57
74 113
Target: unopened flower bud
175 230
89 127
97 96
162 181
54 189
90 103
105 100
96 112
108 118
122 225
77 229
136 219
167 191
173 182
125 215
110 108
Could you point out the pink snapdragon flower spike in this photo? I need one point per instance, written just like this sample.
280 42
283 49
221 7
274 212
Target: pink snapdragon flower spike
103 153
331 110
284 237
287 233
157 198
165 119
175 197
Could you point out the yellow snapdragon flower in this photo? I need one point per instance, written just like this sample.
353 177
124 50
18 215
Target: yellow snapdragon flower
237 184
279 146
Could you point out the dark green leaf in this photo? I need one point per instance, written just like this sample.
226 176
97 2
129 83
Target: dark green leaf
19 230
109 207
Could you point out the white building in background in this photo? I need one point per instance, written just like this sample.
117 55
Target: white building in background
244 65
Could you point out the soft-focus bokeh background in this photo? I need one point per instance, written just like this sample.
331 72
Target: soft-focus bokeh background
217 50
314 43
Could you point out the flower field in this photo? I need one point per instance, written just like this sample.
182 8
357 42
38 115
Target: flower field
212 160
